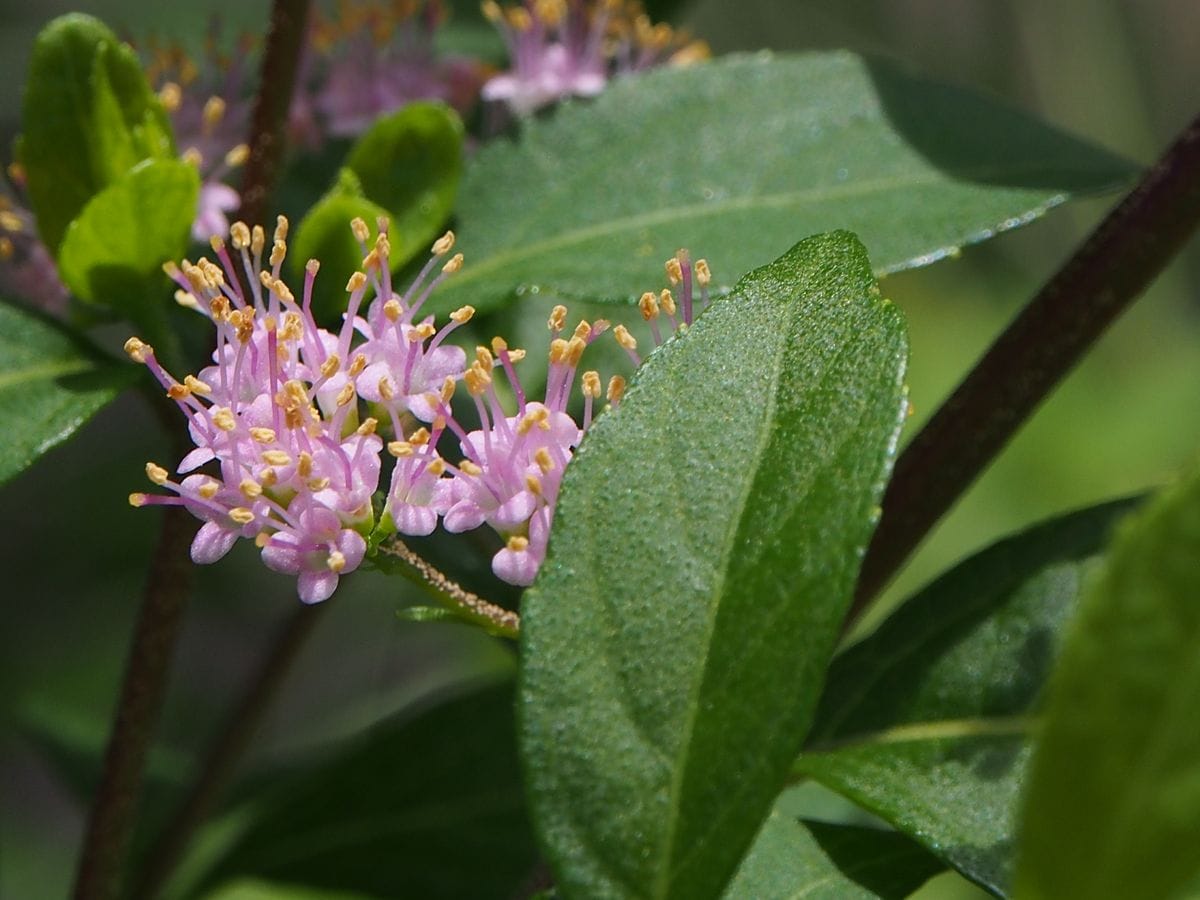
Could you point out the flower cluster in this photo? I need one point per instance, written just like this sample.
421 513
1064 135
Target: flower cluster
570 48
26 268
289 421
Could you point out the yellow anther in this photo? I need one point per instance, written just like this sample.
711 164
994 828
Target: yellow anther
491 10
11 222
543 460
263 435
330 365
293 327
281 228
624 338
462 315
219 308
304 467
453 264
336 561
518 544
262 539
170 269
312 267
250 489
558 319
357 282
575 348
170 96
214 112
278 253
137 498
499 345
209 489
345 395
476 380
449 386
237 156
357 364
270 324
484 357
383 247
268 478
703 275
196 386
371 261
359 229
558 351
539 418
469 468
423 332
583 330
674 271
515 356
444 244
386 391
7 249
192 157
667 302
178 392
224 418
437 467
368 427
520 19
591 384
649 306
383 223
400 449
239 233
420 437
616 389
258 239
156 473
241 515
276 458
533 485
138 350
317 484
393 310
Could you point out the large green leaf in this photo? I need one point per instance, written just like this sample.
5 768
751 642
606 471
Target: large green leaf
423 806
925 723
89 116
705 548
816 861
114 251
735 158
50 384
1113 802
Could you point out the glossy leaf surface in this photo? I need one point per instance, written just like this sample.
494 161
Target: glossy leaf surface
736 158
925 723
704 550
1113 803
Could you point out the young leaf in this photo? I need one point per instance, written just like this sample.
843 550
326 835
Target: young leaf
1112 808
423 806
733 157
817 861
704 552
50 384
89 116
113 252
925 723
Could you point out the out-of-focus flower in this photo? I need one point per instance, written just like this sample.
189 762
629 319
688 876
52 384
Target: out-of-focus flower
27 271
571 48
374 58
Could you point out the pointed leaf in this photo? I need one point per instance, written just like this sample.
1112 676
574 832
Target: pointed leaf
89 116
1113 802
925 723
50 384
816 861
704 551
735 157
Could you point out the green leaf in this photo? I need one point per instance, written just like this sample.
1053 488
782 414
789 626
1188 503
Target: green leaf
704 552
1112 808
426 805
817 861
50 384
114 251
89 117
734 158
256 889
925 722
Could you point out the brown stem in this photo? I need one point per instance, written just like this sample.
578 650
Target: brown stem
1113 266
113 814
220 764
281 61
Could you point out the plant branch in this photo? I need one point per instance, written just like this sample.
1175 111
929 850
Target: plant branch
277 81
1113 266
110 824
220 764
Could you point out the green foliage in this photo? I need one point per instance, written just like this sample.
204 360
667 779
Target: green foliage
424 805
735 158
704 552
925 723
50 384
407 167
1113 802
89 117
818 861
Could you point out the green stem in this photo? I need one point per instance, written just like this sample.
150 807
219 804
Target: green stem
220 763
1106 274
268 129
114 810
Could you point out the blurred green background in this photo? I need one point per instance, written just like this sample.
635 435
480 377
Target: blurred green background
1120 74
